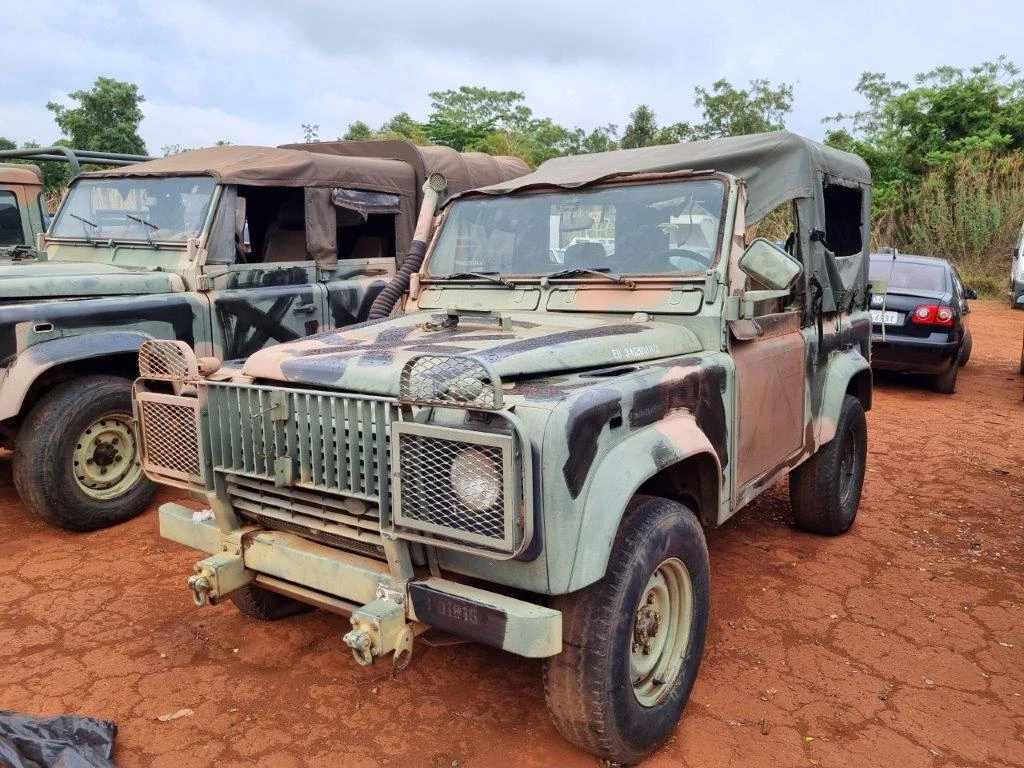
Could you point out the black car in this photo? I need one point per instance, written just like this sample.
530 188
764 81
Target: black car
920 321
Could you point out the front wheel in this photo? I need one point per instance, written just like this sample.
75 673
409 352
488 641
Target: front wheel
76 462
633 641
824 491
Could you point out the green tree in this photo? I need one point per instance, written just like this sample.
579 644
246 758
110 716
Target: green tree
641 130
730 111
310 133
6 143
358 131
106 118
463 118
402 126
906 131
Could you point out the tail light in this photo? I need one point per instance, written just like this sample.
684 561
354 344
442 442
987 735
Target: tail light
933 314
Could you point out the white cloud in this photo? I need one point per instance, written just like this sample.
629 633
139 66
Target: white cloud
255 70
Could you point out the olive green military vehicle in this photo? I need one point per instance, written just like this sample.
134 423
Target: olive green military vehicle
228 250
597 362
24 215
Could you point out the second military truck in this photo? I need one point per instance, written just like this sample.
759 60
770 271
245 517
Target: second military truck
597 361
228 250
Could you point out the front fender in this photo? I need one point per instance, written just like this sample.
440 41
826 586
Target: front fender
618 477
40 357
843 368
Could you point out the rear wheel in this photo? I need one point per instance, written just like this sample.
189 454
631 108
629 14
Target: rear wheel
824 491
264 605
965 349
633 641
76 461
945 383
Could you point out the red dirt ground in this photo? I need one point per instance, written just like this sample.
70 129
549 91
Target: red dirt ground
898 644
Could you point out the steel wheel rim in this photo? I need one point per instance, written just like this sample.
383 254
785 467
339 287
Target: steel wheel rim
661 632
105 460
848 466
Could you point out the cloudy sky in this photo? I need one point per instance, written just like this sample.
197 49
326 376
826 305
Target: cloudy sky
252 71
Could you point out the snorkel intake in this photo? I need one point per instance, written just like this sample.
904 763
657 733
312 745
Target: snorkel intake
386 299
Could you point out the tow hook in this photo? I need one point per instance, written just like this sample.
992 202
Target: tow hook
216 577
380 627
199 586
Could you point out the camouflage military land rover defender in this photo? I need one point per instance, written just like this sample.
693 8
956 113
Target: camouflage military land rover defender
228 250
597 362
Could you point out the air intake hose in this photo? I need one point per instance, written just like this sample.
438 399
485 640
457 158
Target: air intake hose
386 299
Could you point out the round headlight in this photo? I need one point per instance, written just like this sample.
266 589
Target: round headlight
476 479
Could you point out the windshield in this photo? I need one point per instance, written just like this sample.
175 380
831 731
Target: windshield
908 274
167 209
647 229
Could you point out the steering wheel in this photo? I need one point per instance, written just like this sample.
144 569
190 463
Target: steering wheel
661 261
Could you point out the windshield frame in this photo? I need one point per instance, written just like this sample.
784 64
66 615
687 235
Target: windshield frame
141 241
644 179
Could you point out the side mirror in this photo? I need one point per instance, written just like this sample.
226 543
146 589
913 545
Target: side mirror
769 265
970 293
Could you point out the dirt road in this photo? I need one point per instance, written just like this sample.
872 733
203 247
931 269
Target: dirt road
899 644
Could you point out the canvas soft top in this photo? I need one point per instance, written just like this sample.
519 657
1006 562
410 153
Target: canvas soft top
776 167
463 170
274 167
12 173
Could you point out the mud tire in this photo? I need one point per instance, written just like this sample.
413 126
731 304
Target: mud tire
42 466
588 686
263 605
822 501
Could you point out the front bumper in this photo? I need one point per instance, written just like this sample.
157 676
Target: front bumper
913 355
347 582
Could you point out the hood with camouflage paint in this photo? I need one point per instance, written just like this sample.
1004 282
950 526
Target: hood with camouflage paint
31 279
369 358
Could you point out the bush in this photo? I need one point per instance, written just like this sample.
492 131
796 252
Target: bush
968 210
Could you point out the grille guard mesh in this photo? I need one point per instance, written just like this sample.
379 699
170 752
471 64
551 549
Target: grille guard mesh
451 380
425 459
168 361
169 430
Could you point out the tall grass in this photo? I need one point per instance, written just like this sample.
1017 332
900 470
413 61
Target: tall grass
969 211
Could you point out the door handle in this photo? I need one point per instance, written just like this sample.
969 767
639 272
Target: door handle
305 309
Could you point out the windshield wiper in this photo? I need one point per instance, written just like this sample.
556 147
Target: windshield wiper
144 223
141 220
488 276
600 272
85 231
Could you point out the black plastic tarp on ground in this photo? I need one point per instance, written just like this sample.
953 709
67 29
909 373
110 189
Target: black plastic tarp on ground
65 741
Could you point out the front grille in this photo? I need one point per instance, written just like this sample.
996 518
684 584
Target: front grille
456 485
347 524
170 439
337 444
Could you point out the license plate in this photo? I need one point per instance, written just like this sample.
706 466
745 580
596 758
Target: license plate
885 318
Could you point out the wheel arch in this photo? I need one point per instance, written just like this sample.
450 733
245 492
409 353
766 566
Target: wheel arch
673 459
47 364
848 374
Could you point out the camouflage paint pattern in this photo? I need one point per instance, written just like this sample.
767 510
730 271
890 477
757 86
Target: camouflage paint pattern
612 390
